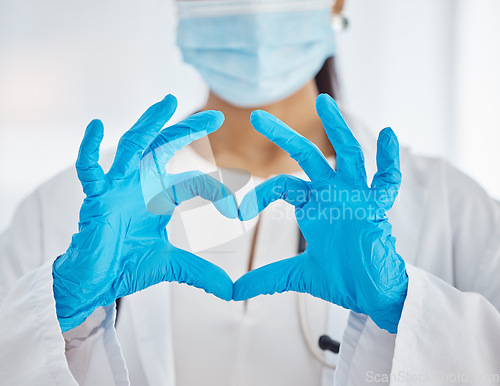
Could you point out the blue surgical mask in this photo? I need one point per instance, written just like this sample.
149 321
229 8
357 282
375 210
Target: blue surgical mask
255 52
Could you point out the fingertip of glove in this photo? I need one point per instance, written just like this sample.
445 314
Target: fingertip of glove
257 115
237 295
242 215
264 122
227 295
218 117
95 123
220 293
325 101
228 207
170 99
226 291
95 129
388 139
166 106
248 208
326 107
240 293
322 98
211 119
388 131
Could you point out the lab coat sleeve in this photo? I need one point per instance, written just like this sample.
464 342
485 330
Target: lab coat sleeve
31 344
475 226
32 348
445 336
449 331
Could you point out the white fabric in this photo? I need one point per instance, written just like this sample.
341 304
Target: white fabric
247 341
444 223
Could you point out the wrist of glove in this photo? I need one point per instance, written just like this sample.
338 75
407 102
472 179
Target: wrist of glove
78 292
366 275
385 288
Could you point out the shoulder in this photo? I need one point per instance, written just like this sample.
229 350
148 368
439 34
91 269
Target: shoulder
439 177
433 176
52 210
433 184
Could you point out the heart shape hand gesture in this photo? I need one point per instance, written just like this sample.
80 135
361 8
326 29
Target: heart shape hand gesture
122 245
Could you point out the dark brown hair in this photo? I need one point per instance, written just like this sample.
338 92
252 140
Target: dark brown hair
326 79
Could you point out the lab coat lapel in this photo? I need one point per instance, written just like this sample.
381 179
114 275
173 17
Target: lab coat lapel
151 318
407 215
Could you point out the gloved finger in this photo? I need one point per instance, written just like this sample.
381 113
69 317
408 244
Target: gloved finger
307 154
137 139
282 187
163 147
281 276
185 186
350 159
171 264
87 166
188 268
387 180
175 137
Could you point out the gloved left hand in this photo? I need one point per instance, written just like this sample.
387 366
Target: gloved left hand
121 247
350 259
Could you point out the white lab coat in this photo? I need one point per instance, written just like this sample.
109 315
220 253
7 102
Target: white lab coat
447 230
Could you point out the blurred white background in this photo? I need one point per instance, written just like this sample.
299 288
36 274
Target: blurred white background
427 68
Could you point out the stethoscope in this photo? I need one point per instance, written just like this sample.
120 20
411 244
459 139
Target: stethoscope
324 342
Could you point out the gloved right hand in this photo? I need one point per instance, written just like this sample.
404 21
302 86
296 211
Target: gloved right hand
121 248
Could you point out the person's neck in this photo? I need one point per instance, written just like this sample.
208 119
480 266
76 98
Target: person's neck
238 145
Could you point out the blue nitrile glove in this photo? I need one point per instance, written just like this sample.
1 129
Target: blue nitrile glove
350 259
121 248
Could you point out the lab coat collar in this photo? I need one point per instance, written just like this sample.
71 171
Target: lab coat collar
152 324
